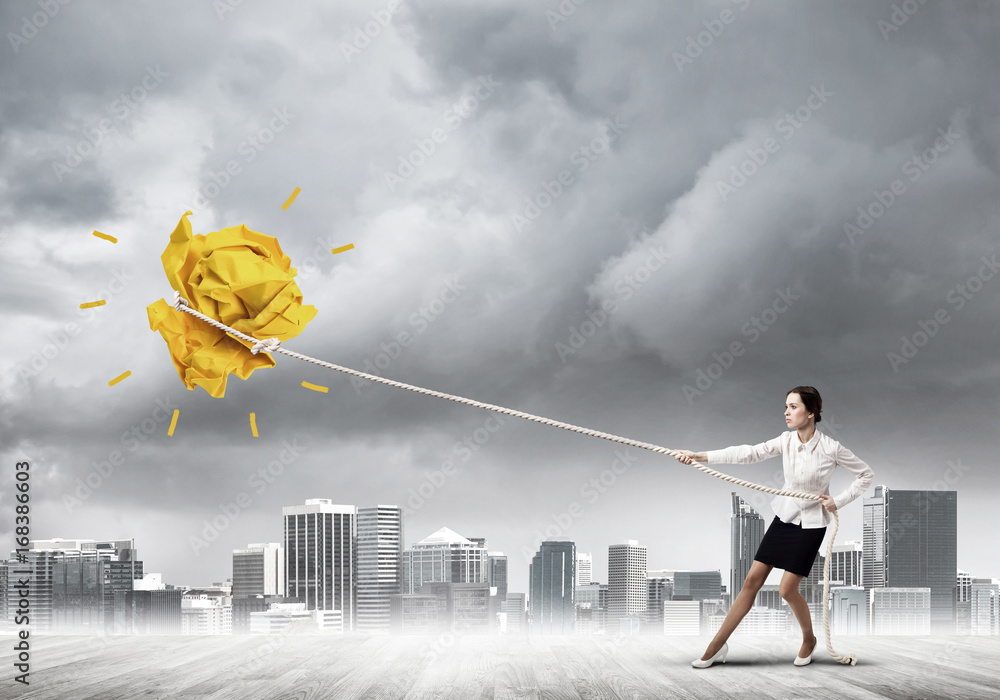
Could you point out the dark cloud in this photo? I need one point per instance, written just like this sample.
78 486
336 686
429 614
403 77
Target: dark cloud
643 141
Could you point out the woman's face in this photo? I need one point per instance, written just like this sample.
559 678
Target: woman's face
796 415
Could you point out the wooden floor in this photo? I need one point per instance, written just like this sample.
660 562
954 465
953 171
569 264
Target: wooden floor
563 668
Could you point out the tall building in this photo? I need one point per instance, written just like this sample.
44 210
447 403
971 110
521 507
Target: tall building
259 570
846 564
552 574
984 599
659 587
72 583
627 591
746 530
584 568
320 559
444 557
148 611
911 541
963 602
380 565
496 573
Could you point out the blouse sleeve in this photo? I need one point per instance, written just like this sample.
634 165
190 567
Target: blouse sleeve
745 454
862 472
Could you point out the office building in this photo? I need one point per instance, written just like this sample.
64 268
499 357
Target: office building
681 617
627 588
746 530
697 585
496 573
380 565
516 609
444 557
846 564
911 541
148 611
293 618
584 568
259 570
551 598
320 556
659 587
984 606
245 605
414 613
847 610
902 611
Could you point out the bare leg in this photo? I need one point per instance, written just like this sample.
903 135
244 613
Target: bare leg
741 606
790 592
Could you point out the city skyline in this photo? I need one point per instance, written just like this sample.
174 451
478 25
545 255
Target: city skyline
613 218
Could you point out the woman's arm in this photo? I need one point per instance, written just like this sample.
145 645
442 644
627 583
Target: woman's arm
738 454
862 472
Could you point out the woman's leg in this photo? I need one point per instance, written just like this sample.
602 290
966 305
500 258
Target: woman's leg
741 606
789 590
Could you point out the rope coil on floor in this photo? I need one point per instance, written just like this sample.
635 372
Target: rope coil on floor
273 345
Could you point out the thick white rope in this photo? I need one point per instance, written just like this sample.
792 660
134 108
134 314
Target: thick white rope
274 345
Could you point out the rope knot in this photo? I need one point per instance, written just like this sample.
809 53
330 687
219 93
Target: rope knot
268 345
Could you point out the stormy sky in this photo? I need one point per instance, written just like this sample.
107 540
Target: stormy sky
645 218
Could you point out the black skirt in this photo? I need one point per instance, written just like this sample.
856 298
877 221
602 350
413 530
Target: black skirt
790 547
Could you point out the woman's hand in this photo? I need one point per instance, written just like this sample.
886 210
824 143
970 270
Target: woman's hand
685 456
829 504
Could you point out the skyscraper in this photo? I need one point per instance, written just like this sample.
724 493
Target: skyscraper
627 588
444 557
380 564
584 568
497 573
320 559
746 530
552 574
259 570
846 564
916 534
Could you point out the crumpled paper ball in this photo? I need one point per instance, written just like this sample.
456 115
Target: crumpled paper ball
239 277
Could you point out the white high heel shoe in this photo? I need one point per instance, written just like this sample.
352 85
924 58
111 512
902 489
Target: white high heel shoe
720 655
804 661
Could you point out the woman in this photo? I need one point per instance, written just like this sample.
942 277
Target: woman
796 533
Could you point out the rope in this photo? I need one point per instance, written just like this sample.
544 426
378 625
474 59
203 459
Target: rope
272 345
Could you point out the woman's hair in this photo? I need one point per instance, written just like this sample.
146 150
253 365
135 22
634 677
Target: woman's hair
810 398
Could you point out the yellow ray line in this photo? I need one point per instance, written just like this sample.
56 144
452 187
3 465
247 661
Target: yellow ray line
342 248
105 236
291 199
120 377
173 423
315 387
89 304
253 424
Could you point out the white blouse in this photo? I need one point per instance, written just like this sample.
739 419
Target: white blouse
808 467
